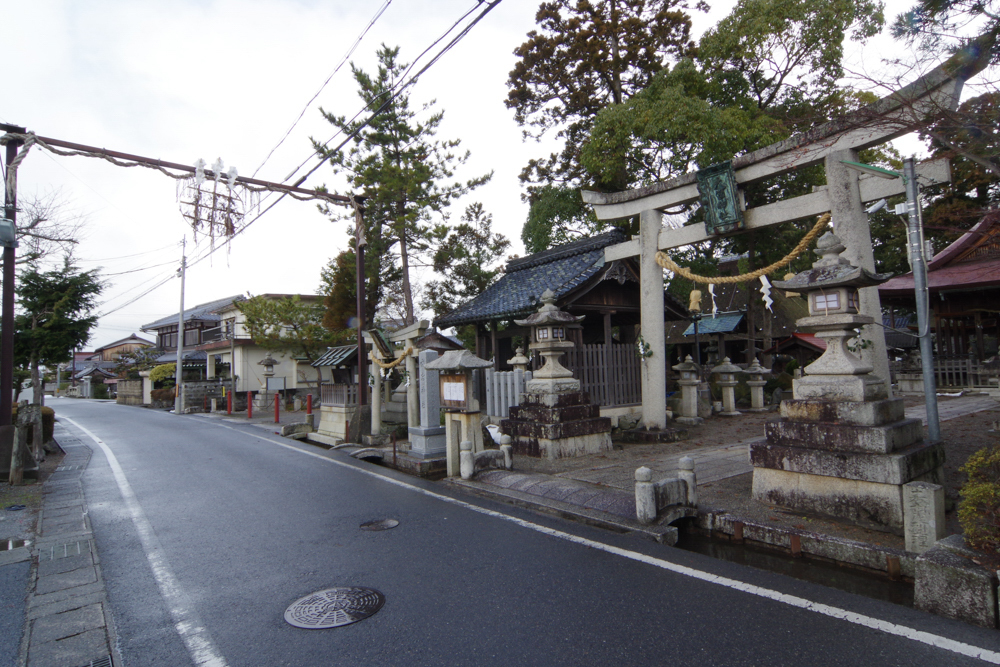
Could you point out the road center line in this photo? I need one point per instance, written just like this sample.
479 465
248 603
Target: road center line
887 627
186 622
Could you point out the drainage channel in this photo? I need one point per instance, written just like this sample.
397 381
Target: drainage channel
820 572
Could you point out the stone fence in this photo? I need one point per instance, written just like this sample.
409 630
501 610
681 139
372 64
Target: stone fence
129 392
503 391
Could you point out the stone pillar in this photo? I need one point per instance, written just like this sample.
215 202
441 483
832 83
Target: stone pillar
852 226
428 439
654 368
147 388
645 495
412 387
376 395
923 515
210 367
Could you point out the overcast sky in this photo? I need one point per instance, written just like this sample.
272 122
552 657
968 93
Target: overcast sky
225 79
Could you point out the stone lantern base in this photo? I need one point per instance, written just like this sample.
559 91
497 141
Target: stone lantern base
557 425
845 452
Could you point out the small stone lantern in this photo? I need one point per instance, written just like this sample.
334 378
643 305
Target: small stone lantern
548 335
268 363
690 378
519 361
756 383
727 371
831 288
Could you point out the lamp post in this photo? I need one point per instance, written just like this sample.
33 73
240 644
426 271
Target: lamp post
918 264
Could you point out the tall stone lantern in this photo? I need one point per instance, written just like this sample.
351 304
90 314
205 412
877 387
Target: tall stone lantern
727 371
553 418
842 447
756 382
690 378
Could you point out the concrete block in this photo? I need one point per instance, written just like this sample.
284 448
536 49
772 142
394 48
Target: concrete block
872 413
845 437
80 649
66 580
896 468
670 491
923 515
950 584
66 624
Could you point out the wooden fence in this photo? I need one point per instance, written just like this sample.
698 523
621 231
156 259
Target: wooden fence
956 371
339 394
609 373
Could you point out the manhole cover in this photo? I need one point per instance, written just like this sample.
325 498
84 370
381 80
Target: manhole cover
381 524
334 607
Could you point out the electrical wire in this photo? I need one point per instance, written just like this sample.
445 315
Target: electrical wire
347 55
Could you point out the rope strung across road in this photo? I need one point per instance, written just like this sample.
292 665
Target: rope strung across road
664 260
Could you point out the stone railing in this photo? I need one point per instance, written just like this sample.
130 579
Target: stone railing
653 498
470 463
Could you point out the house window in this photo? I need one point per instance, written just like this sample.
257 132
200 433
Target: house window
192 337
827 301
168 341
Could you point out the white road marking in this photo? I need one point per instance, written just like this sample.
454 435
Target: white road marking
887 627
186 622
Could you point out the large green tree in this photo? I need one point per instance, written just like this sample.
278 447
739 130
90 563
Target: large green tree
406 174
55 316
287 324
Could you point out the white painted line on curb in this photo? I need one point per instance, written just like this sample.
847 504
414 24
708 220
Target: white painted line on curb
887 627
186 622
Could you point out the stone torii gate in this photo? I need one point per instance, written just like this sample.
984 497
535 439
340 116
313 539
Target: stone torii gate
843 196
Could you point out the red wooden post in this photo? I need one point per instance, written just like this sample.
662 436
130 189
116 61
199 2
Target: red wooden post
229 402
277 403
249 405
309 404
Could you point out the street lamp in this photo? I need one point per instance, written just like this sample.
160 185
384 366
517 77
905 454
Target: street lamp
919 266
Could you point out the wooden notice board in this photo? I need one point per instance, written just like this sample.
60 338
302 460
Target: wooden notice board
454 391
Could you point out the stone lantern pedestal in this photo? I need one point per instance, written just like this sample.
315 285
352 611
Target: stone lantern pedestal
554 419
842 447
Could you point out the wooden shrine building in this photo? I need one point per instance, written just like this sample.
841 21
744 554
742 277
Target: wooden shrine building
605 292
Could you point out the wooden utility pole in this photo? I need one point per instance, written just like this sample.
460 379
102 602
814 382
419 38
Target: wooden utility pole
359 251
179 370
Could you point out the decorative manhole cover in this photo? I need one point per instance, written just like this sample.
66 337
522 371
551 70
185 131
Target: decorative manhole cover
334 607
381 524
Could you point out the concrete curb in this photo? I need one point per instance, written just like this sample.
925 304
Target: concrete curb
69 622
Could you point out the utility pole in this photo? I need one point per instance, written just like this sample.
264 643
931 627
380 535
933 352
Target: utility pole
7 309
179 372
919 267
359 250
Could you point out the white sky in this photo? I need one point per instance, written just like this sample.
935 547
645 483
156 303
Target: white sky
183 80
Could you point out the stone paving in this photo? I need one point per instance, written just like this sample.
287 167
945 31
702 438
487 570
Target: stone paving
68 619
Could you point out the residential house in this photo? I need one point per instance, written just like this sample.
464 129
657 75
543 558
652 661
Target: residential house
201 325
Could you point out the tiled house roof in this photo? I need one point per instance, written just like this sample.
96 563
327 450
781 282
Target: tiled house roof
203 311
560 269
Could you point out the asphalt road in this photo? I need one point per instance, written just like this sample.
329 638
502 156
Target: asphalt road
208 530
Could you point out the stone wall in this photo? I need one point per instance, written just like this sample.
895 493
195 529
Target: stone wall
198 395
130 392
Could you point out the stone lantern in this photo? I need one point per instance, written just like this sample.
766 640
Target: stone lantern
519 361
553 418
842 448
727 371
268 363
690 378
756 383
548 337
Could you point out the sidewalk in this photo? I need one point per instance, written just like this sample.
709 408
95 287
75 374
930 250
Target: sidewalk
66 617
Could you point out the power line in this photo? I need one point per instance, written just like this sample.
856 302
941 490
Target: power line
347 55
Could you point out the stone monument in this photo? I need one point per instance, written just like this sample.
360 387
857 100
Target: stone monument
554 419
428 440
842 447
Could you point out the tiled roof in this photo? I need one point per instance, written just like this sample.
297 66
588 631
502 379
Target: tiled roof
336 356
560 269
204 311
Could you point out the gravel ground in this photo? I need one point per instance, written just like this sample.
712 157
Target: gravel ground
962 437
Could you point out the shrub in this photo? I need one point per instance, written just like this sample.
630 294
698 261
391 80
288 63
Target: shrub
99 390
979 509
164 394
162 372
